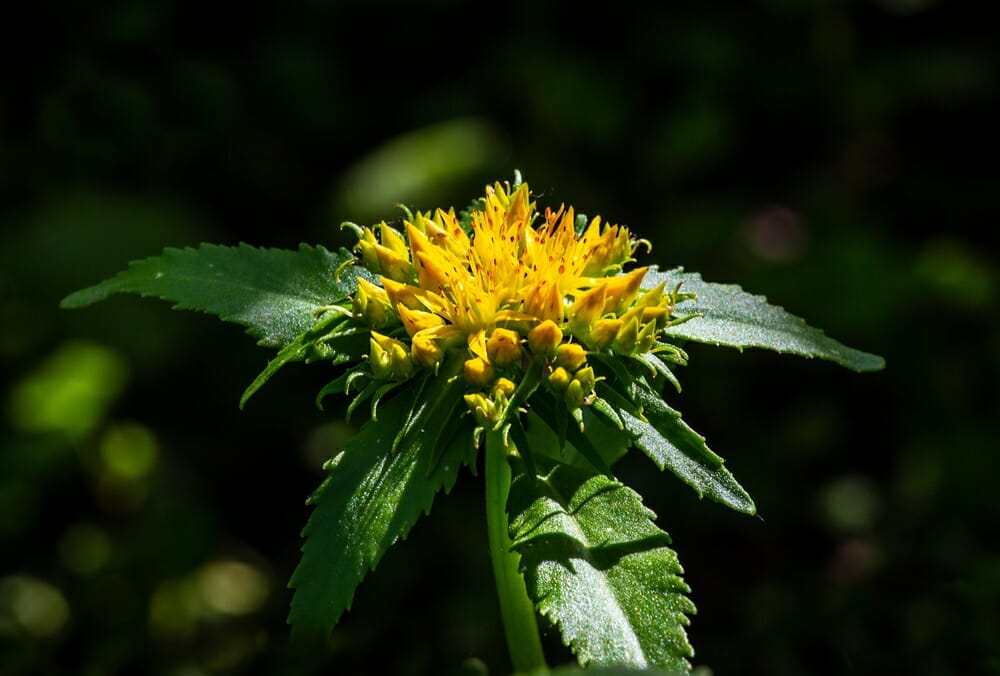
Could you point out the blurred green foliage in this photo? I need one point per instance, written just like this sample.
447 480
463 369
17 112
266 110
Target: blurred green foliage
836 156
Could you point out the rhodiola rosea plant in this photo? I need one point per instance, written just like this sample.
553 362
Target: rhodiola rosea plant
519 343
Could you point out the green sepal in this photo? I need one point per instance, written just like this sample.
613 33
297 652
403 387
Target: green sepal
374 390
657 367
599 568
380 394
341 384
529 383
371 498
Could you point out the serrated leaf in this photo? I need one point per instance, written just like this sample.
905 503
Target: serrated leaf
272 292
606 671
732 317
658 430
370 500
597 566
651 361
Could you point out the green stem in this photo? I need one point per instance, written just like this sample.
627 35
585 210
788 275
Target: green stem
516 609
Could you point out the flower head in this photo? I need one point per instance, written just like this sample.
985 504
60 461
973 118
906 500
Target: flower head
511 287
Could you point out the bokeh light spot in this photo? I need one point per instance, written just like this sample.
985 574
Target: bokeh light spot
70 392
129 451
851 504
232 587
31 606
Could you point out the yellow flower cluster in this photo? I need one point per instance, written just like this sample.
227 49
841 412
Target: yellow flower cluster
505 294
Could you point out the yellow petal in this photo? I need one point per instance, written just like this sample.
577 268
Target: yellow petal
622 290
392 264
417 320
434 271
588 308
426 351
477 343
392 239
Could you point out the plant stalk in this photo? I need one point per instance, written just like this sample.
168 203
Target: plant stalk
516 608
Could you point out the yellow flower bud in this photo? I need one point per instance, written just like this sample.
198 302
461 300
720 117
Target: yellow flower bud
478 372
625 341
571 355
389 358
372 305
544 338
400 362
655 314
644 343
612 248
503 347
504 386
368 255
560 378
586 378
575 395
481 406
379 359
587 309
652 297
652 306
604 333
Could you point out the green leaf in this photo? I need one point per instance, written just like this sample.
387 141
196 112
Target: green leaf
272 292
606 671
597 566
371 499
607 444
335 337
660 433
732 317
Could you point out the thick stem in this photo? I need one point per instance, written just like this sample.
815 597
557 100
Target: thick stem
516 609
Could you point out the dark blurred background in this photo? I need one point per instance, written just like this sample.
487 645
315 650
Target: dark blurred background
839 157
